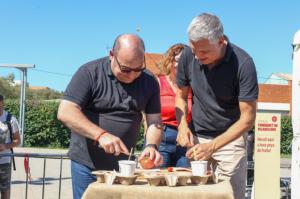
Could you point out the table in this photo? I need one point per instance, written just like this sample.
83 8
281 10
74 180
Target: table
141 190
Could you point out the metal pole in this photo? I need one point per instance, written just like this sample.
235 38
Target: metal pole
44 173
60 175
24 104
26 189
21 105
295 173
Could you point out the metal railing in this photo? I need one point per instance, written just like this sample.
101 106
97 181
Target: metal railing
61 157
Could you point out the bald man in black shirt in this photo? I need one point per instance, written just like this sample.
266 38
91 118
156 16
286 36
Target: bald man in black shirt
102 106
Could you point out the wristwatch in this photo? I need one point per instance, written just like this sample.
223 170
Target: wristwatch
152 145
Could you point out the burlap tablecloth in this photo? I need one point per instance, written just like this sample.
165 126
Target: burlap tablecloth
141 190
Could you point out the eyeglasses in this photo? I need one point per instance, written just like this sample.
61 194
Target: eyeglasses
126 69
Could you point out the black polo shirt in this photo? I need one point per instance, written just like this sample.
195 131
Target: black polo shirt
217 91
114 106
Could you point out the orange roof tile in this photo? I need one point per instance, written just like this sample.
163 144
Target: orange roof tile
153 62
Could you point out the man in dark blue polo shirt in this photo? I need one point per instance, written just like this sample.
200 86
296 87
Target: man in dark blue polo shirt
103 105
224 84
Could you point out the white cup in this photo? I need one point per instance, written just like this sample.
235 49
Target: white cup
199 168
127 167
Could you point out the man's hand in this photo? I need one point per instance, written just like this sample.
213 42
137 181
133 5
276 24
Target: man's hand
153 155
112 144
201 151
185 137
2 147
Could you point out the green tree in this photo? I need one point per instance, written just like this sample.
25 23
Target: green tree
10 78
7 90
10 91
286 135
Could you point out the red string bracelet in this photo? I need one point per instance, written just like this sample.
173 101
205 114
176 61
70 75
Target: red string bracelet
98 137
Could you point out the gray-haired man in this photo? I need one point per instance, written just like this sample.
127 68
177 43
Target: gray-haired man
224 84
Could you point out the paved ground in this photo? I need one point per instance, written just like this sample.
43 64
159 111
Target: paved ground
285 168
52 171
51 190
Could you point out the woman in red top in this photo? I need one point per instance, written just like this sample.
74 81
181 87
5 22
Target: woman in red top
173 154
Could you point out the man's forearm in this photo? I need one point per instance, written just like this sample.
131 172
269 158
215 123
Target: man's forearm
155 129
181 109
233 132
74 119
154 135
244 124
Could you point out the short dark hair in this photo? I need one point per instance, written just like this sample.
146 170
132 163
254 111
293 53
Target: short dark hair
1 98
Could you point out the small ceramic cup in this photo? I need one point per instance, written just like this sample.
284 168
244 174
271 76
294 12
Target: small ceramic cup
127 167
199 168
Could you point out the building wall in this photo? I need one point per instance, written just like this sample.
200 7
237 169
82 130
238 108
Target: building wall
275 93
153 62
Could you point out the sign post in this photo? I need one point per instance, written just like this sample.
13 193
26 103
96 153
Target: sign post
267 156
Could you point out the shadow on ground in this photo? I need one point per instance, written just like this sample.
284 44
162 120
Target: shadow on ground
39 181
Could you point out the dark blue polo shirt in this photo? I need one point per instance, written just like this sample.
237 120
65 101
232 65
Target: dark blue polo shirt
217 91
114 106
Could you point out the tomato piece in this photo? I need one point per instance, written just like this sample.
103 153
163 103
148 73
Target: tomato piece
147 163
170 169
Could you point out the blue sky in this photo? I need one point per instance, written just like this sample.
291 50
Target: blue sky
59 36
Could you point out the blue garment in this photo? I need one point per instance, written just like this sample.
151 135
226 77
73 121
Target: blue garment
174 156
81 178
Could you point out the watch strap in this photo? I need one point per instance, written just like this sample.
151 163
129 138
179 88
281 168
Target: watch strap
152 145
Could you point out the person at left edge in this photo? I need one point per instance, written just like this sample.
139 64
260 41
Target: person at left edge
103 106
9 138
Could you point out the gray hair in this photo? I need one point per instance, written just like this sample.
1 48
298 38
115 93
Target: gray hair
205 26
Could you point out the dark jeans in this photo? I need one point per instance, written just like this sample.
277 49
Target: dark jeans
81 178
173 155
